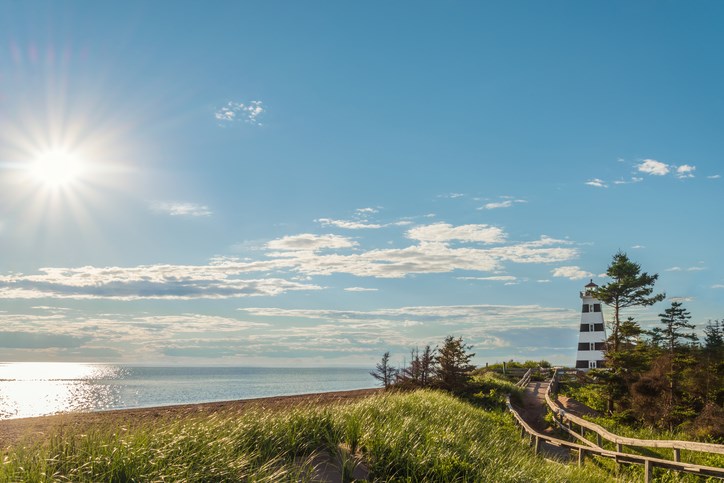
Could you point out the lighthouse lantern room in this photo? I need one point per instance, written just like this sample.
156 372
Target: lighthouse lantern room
592 333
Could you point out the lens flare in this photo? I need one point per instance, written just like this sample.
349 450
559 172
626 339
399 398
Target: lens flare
57 168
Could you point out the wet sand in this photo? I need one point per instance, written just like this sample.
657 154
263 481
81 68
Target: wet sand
25 430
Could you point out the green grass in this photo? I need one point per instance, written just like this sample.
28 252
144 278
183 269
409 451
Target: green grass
419 436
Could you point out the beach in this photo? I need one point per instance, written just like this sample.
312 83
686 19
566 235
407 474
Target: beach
36 429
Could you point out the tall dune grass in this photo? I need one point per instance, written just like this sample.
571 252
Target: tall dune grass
420 436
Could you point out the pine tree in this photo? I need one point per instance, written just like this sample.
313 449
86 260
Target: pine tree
672 338
384 372
628 288
453 365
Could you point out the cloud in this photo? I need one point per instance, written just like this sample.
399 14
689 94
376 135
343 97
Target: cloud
685 171
571 272
451 195
38 340
633 180
497 278
501 204
180 209
717 285
360 289
310 242
217 280
349 224
680 299
367 211
288 263
239 111
653 167
688 269
598 183
637 247
483 316
714 176
443 232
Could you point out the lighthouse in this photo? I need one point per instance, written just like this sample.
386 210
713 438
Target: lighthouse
592 333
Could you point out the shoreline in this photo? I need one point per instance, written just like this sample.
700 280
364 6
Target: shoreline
34 429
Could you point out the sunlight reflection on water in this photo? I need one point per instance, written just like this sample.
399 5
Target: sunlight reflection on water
37 389
31 389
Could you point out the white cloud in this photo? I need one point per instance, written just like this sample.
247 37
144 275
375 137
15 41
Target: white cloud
501 204
688 269
714 176
484 316
633 180
218 280
653 167
239 111
717 285
685 171
310 242
349 224
598 183
637 247
571 272
680 299
181 209
367 211
360 289
545 280
452 195
497 278
443 232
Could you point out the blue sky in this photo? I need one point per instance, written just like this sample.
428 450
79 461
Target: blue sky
295 183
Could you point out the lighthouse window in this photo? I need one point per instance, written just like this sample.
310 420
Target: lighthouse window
583 346
600 346
591 364
584 328
596 307
592 346
581 364
585 308
597 328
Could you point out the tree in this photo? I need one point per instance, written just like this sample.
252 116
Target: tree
628 288
384 372
453 365
672 338
675 320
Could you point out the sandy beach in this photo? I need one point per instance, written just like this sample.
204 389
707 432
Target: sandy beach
14 431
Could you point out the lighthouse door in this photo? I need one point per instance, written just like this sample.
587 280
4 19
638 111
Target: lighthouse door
591 364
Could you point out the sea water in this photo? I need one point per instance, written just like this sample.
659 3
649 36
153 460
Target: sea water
38 389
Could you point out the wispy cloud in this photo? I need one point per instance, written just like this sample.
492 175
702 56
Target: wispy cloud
637 247
175 208
633 180
653 167
360 289
717 285
310 242
239 111
444 232
687 269
571 272
685 171
496 278
714 176
507 203
596 182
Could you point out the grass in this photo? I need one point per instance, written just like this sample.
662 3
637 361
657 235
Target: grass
419 436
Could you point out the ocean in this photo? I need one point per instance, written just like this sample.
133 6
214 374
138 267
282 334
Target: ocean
39 389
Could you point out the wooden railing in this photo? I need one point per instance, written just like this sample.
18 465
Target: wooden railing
648 463
591 449
562 415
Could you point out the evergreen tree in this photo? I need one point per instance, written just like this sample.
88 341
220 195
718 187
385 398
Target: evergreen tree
453 365
672 338
628 288
384 372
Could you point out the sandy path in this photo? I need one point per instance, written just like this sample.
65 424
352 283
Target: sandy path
14 431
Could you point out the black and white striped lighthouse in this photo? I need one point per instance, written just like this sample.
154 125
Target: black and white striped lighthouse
592 333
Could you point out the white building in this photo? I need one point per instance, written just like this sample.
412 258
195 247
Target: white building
592 333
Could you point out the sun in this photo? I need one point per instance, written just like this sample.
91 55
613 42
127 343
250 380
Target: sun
56 168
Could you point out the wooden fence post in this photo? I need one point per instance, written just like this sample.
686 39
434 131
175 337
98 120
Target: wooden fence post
648 471
677 454
581 456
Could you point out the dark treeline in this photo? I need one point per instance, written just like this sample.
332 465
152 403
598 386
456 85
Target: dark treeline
663 377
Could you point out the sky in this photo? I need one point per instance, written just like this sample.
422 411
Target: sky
272 183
